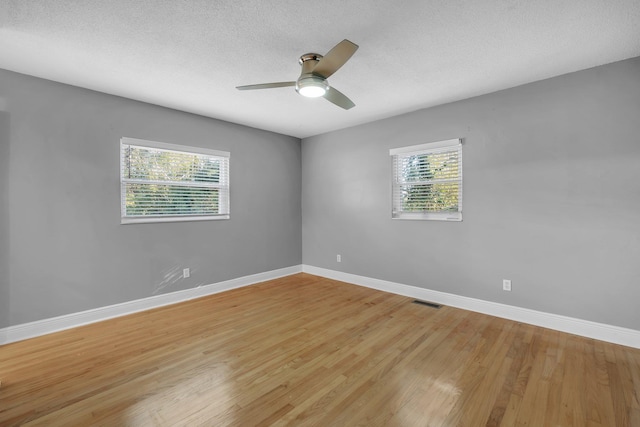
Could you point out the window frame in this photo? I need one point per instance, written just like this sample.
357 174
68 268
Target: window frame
224 199
396 183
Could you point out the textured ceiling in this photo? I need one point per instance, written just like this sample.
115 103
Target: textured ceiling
190 54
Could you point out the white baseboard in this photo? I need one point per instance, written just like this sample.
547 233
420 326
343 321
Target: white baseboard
585 328
54 324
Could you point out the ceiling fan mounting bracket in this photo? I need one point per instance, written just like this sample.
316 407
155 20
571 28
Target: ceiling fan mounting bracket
309 57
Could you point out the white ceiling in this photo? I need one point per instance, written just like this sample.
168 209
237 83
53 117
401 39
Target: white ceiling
190 54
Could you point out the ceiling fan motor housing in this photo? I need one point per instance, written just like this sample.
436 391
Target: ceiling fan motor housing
309 84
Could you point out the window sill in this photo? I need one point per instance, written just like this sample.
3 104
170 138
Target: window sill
454 217
155 219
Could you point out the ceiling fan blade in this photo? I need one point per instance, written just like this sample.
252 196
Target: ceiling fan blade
335 58
266 85
338 98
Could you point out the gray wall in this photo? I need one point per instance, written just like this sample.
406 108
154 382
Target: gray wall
4 219
68 251
551 198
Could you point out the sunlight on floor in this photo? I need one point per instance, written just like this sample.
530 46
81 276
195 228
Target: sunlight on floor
431 403
196 401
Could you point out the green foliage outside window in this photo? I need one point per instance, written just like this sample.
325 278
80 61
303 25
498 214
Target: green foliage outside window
429 182
160 182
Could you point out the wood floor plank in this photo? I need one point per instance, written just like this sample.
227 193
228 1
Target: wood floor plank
308 351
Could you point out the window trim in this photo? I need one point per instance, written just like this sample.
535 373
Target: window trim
164 146
428 148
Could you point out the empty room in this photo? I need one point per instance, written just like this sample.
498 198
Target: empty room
364 213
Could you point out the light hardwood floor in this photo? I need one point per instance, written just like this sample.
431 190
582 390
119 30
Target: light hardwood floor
304 350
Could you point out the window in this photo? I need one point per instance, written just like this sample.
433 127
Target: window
165 182
427 181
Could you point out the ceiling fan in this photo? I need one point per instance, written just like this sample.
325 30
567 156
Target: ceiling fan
316 69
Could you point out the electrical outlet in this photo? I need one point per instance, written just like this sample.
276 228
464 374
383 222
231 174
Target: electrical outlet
506 285
186 273
339 258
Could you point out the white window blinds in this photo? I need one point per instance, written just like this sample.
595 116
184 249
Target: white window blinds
427 181
166 182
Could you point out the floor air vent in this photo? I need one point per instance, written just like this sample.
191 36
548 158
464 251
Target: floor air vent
427 303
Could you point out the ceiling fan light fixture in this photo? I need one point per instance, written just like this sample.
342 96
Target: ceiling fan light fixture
312 86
